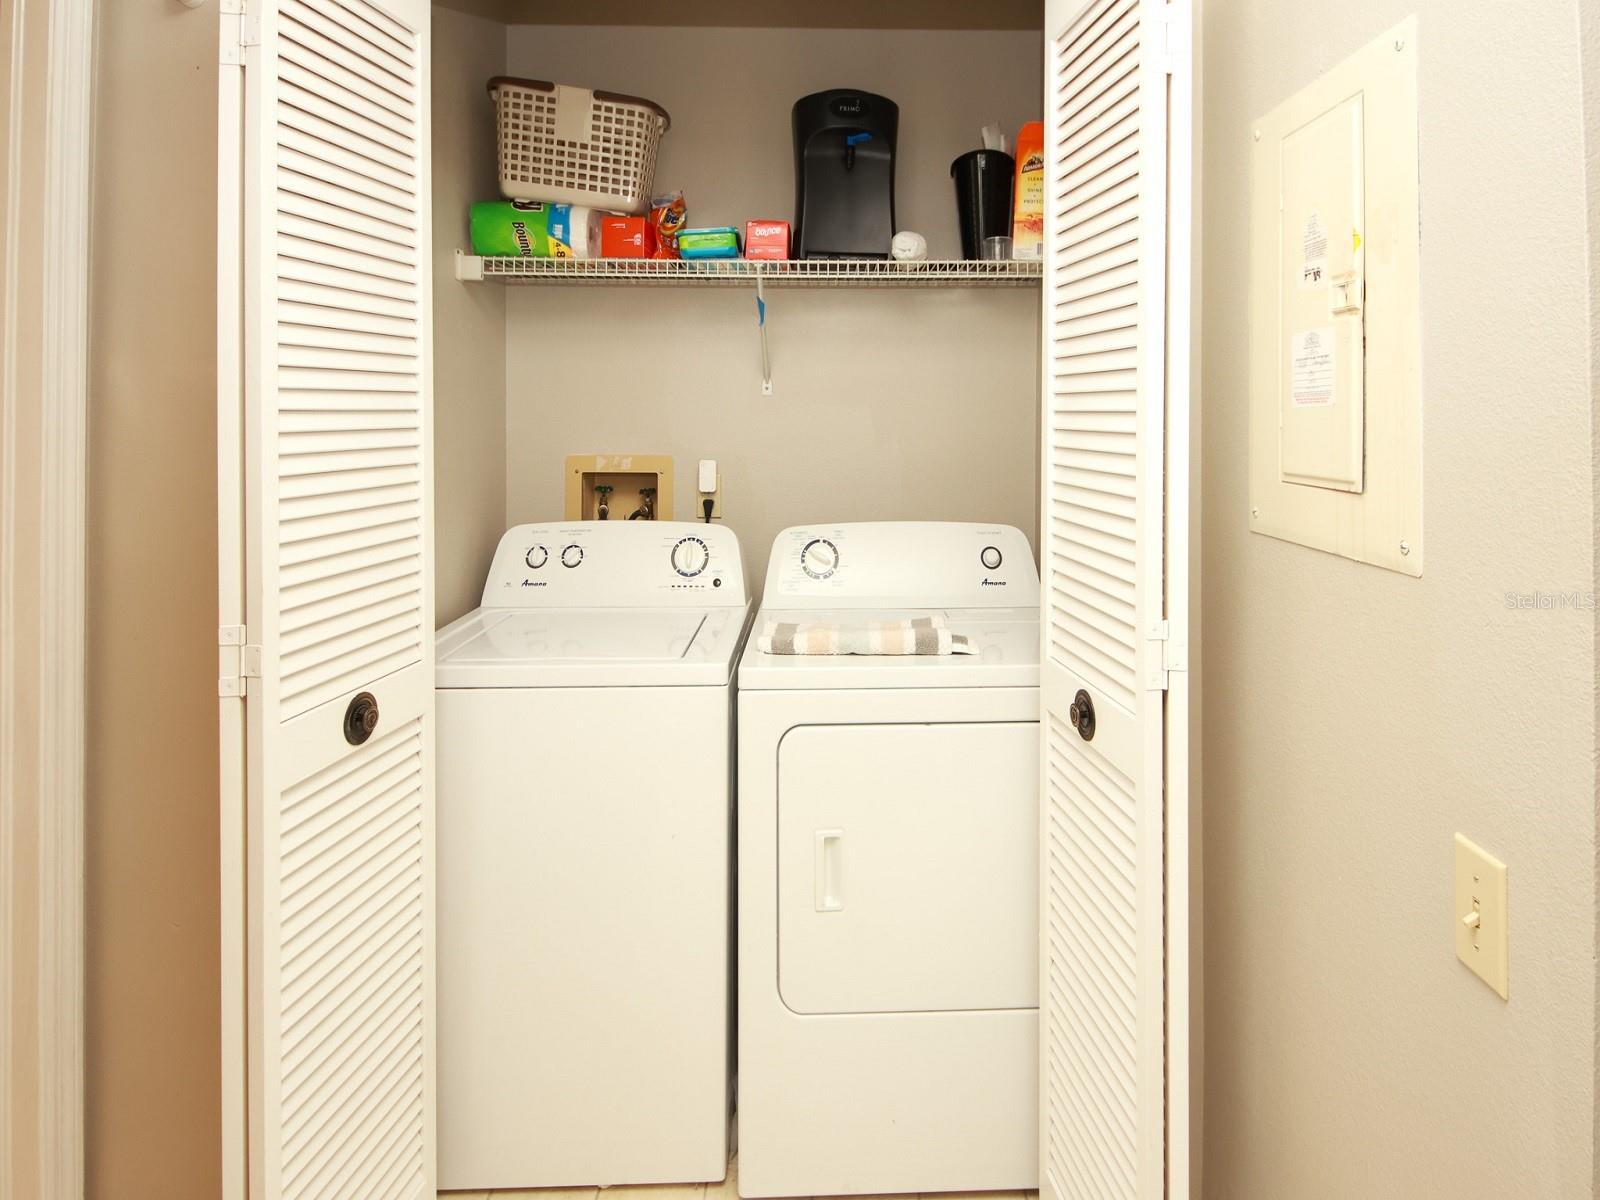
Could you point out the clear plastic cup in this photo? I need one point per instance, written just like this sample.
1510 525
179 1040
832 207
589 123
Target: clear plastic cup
996 249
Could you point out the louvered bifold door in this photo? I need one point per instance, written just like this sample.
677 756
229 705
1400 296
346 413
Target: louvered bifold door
1105 623
339 598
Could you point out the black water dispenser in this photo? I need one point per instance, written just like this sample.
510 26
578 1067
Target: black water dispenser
844 174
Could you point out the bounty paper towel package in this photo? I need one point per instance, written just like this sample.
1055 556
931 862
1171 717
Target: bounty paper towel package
534 229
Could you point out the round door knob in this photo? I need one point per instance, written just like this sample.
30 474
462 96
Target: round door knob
991 557
360 718
689 557
1080 715
537 557
572 555
820 558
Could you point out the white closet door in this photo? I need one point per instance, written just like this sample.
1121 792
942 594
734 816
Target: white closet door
329 126
1114 476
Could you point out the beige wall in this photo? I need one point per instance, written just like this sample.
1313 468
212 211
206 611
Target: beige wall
1356 719
24 43
1589 35
888 404
782 14
469 323
152 888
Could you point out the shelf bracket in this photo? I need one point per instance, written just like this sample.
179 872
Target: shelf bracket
761 324
469 267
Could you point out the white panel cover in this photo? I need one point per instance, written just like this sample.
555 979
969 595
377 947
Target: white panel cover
1102 1005
334 316
616 564
899 564
908 867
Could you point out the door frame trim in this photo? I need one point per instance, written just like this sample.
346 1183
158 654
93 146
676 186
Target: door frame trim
43 421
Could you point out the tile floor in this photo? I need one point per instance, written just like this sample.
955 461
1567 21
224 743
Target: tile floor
728 1189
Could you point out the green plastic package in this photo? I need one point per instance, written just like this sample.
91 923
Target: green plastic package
530 229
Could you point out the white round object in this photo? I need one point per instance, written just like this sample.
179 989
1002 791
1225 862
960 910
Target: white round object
819 558
908 246
690 556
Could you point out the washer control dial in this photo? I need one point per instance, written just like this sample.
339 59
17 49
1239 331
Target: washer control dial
820 558
536 557
689 557
990 557
572 555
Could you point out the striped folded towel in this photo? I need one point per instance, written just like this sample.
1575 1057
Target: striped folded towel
922 635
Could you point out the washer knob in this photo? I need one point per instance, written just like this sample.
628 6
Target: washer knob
820 558
572 555
990 557
536 557
689 557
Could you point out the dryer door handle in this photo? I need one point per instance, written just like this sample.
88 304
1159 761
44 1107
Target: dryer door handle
828 866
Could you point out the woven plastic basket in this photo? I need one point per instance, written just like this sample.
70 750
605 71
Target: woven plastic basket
569 145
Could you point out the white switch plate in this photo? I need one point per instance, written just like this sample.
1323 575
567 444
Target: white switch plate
1480 914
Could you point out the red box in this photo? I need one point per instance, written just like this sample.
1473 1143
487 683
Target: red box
627 237
766 239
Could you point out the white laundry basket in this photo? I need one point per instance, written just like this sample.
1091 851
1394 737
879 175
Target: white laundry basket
570 145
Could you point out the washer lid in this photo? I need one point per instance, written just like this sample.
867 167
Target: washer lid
589 647
1007 640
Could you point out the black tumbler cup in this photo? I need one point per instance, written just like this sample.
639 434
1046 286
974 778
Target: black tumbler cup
983 197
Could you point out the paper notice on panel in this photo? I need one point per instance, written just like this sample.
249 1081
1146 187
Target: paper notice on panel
1314 252
1311 368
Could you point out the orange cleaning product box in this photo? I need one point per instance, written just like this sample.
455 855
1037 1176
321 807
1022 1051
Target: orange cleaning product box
1027 218
766 239
627 237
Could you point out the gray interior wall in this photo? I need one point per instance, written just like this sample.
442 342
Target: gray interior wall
888 404
469 323
1356 719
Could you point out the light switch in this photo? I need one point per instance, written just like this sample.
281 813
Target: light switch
1480 913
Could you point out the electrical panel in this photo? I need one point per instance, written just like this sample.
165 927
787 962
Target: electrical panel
1335 346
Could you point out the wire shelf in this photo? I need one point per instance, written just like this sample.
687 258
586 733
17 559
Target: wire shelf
733 272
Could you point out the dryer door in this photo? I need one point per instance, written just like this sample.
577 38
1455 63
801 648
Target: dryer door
908 867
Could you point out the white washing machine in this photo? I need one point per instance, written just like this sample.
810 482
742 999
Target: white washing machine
888 873
584 838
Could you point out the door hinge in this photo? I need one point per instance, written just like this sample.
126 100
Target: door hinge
1172 656
240 31
1168 18
237 660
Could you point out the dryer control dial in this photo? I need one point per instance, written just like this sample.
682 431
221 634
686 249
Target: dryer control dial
572 555
990 557
536 557
819 558
690 556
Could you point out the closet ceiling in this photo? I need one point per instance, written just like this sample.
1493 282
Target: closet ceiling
819 14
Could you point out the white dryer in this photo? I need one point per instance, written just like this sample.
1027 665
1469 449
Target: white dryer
888 868
584 840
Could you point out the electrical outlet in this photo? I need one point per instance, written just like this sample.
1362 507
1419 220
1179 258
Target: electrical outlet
1482 936
709 483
